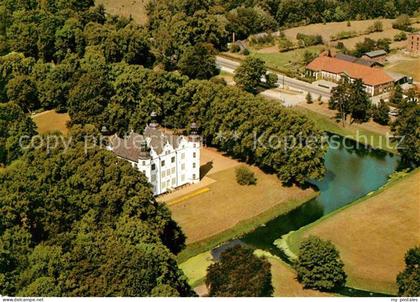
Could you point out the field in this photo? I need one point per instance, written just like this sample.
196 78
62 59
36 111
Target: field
405 65
360 27
227 203
373 234
126 8
51 121
225 209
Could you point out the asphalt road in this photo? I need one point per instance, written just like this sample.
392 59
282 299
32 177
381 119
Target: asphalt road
228 65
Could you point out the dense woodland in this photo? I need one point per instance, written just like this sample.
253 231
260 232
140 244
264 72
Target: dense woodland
63 213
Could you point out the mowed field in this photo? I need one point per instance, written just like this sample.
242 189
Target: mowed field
225 204
51 121
126 8
373 235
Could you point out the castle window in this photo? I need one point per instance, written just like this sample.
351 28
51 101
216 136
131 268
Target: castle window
183 167
173 159
173 181
193 176
182 155
153 178
194 165
163 163
143 163
163 173
153 166
194 155
182 177
173 170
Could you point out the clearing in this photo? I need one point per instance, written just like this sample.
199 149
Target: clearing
126 8
373 234
51 121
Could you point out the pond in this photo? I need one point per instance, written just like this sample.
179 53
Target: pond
352 171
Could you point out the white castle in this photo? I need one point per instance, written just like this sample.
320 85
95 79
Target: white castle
168 161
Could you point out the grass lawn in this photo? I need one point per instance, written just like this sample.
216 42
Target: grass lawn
372 234
361 133
229 210
50 121
281 60
195 268
126 8
408 67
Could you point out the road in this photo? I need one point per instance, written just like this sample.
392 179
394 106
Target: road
229 65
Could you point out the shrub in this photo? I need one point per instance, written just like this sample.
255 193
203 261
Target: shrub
309 98
342 35
245 52
401 36
319 265
308 40
234 48
402 23
377 26
271 79
285 44
245 177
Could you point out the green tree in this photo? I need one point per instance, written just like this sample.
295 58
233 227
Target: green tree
381 113
407 129
319 265
198 62
14 125
91 203
397 95
359 102
408 281
239 273
22 91
248 75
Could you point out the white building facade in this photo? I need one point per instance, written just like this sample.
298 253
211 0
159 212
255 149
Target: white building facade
168 161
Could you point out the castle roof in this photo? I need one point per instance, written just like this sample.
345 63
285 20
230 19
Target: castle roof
132 147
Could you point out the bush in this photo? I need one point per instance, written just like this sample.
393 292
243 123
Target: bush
342 35
401 36
245 52
309 98
377 26
408 281
285 44
271 79
402 23
319 265
245 177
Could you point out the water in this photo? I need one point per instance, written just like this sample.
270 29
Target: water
353 171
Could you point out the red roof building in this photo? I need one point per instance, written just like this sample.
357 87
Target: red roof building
375 80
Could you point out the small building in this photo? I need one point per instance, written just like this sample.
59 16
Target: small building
413 43
375 80
168 161
376 55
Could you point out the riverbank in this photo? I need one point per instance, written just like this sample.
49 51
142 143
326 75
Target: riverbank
372 233
360 133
